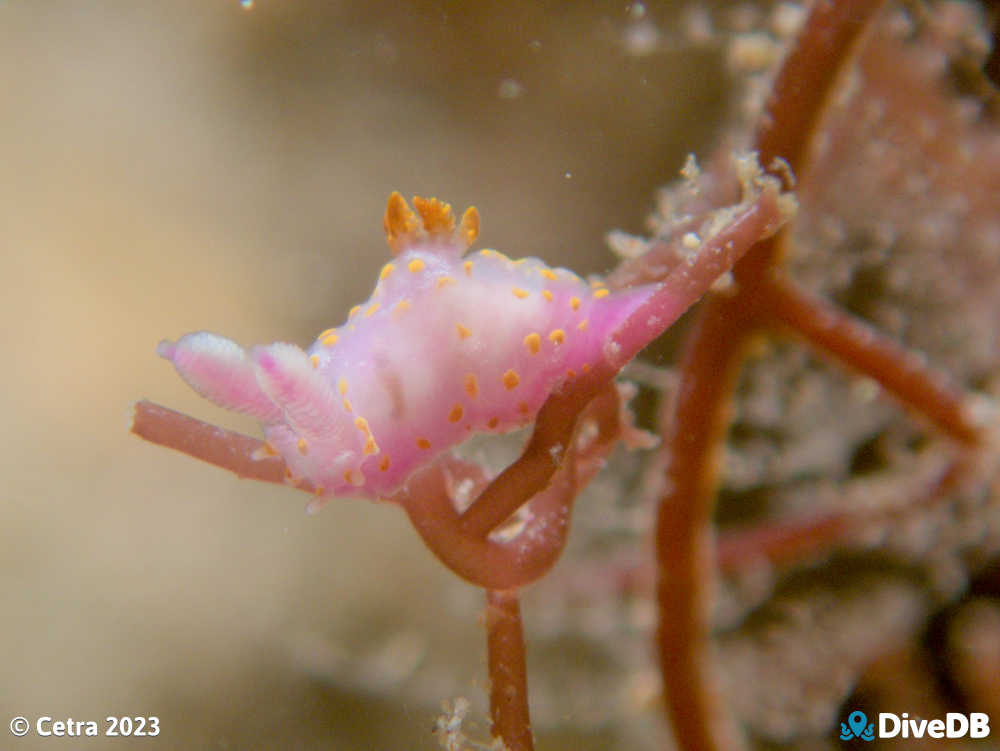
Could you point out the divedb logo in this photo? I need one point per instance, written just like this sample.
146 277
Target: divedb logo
954 725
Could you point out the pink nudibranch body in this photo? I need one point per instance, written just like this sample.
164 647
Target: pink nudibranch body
447 345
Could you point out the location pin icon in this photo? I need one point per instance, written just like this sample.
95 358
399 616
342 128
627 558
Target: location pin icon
857 721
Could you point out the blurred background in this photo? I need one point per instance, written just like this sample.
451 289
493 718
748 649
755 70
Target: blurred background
168 167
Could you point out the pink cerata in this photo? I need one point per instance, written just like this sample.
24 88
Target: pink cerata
447 345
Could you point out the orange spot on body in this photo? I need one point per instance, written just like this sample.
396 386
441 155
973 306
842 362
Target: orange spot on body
314 359
423 444
386 270
468 268
402 306
582 325
492 424
342 385
415 266
548 274
463 333
444 281
557 336
329 340
353 311
519 293
574 303
302 446
371 310
383 465
547 294
471 385
456 413
511 379
533 342
601 293
490 253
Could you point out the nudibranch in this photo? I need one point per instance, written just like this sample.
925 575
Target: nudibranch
447 345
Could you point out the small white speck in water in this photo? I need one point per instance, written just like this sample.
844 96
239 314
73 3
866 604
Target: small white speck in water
510 89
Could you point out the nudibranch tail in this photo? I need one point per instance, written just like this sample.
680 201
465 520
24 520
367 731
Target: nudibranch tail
219 370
